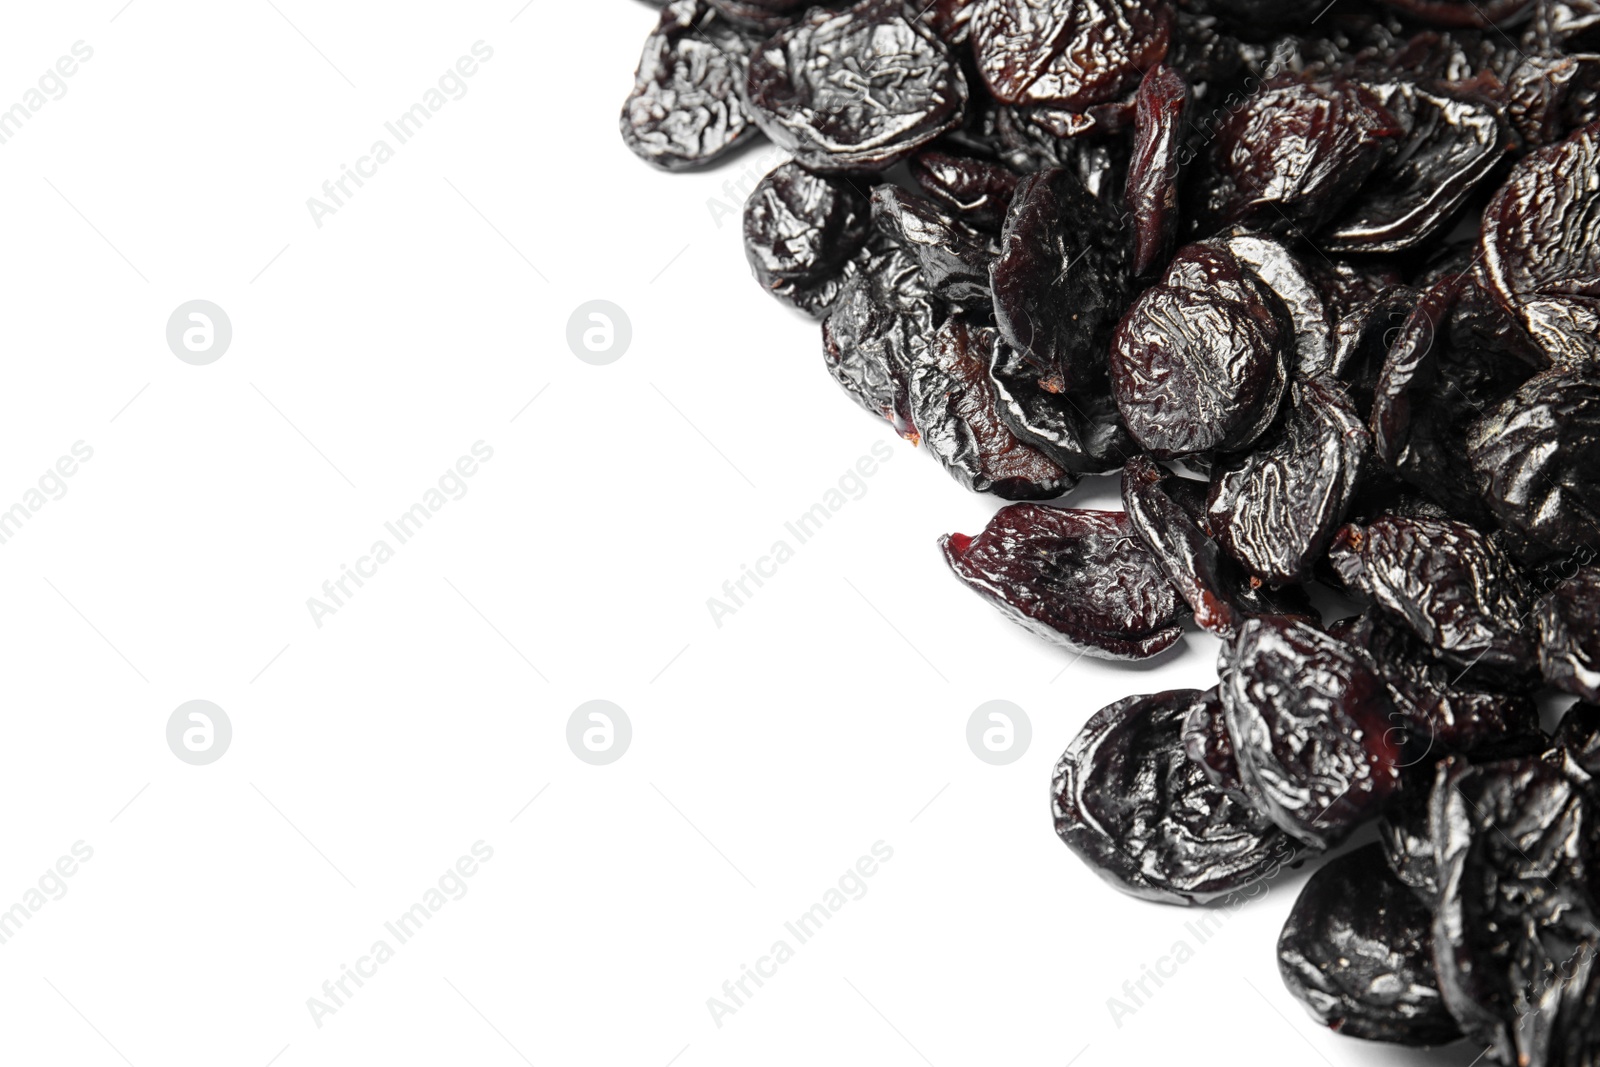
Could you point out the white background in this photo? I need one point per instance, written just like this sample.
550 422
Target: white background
368 754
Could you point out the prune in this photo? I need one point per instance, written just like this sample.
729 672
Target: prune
1541 247
1453 587
1364 336
1408 364
1537 457
1067 54
1569 635
1513 842
1152 190
764 15
856 90
1357 952
955 259
880 327
1129 801
1547 96
1080 432
1310 719
978 191
684 110
800 227
1200 361
1408 843
1188 557
1280 271
1276 508
1078 578
1206 741
1061 277
953 407
1296 152
1576 744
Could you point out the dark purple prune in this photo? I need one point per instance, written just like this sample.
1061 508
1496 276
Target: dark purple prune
1364 337
955 259
1296 152
685 110
953 407
1061 278
856 90
1276 508
1067 54
1152 190
1450 585
1080 579
1310 720
1408 843
1410 363
1129 802
1451 145
1537 456
1514 844
1188 557
1270 260
1547 97
879 328
1080 432
801 227
1569 635
1200 362
1206 741
1541 247
1349 283
1357 953
979 192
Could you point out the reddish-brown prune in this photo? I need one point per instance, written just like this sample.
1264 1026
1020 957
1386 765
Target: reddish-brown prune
1129 801
1152 190
979 192
1569 635
1080 579
953 405
856 90
801 228
1357 952
684 110
1310 719
1068 55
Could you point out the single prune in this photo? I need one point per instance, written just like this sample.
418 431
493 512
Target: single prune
1069 54
1188 557
953 407
978 191
1537 456
856 90
955 258
1277 268
1569 635
1077 578
1276 508
1200 362
1409 363
1311 728
1357 952
1152 189
1060 279
880 326
801 227
1079 431
685 110
1142 814
1206 741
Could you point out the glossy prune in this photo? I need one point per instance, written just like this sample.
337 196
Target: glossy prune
1129 801
1188 556
801 227
1080 432
1569 635
1207 743
1080 579
1357 952
1152 189
1067 54
880 326
979 192
955 259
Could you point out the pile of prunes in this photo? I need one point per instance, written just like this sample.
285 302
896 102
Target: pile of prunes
1322 283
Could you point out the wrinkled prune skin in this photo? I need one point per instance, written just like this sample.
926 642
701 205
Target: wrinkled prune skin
765 16
1310 722
1206 741
1364 337
1080 579
1547 96
879 328
1541 247
977 191
1537 458
1061 278
1277 268
857 90
1575 747
1129 802
1200 362
1188 557
1068 55
953 406
950 19
1296 152
684 110
1456 589
816 298
955 258
801 227
1451 146
1080 432
1569 635
1357 952
1151 194
1410 363
1276 508
1514 845
1408 844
